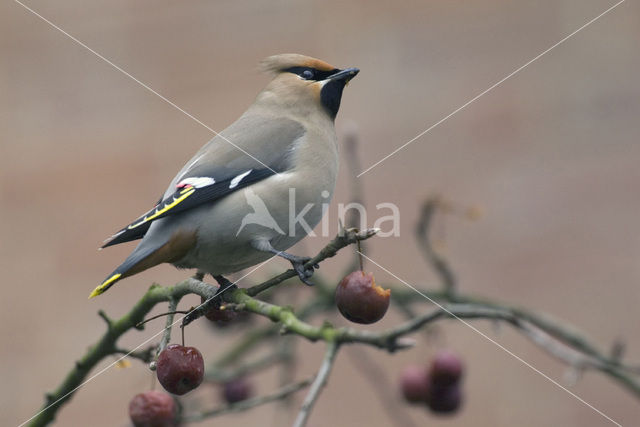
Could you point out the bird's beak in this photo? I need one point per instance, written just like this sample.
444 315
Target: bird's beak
346 75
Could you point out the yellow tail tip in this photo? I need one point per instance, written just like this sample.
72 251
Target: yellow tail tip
105 285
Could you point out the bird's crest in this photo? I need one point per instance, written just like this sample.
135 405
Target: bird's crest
277 63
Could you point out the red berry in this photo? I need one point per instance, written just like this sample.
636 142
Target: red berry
360 300
180 369
237 390
444 399
153 409
446 368
414 384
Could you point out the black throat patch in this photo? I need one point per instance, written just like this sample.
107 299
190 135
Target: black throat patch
330 96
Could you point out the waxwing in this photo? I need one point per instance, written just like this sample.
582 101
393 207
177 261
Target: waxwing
256 188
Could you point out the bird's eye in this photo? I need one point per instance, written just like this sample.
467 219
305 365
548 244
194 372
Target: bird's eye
307 74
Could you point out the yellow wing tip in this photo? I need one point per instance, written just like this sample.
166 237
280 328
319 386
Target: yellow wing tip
97 291
105 285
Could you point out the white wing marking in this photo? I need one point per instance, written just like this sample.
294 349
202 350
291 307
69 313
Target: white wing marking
235 181
197 182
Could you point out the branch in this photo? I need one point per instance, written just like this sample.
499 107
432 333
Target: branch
346 237
145 355
549 334
561 341
318 384
249 403
435 259
225 375
106 346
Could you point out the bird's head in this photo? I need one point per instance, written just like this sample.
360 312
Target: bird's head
304 84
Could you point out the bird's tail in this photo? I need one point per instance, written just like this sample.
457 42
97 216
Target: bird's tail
153 250
127 268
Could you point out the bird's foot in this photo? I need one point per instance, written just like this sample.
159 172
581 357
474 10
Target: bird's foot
302 268
211 303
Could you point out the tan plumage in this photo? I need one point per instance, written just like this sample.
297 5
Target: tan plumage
284 142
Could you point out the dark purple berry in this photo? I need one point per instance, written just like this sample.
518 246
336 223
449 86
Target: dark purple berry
444 399
446 368
180 369
237 390
414 384
153 409
220 316
360 300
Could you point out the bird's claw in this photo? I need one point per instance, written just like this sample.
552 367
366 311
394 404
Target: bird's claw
211 303
304 272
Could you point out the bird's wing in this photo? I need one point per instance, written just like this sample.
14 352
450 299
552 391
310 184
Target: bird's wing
220 168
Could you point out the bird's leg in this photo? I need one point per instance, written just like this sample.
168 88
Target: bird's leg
224 284
211 303
299 263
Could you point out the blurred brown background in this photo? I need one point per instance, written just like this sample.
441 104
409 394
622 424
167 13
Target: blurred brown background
551 154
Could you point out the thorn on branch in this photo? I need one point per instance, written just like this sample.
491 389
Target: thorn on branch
106 319
402 343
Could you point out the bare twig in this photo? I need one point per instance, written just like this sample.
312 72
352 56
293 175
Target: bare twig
249 403
145 355
166 335
350 144
225 375
433 257
318 384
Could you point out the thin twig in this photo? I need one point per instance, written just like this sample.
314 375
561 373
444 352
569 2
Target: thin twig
226 375
243 405
345 238
166 335
146 355
318 384
433 257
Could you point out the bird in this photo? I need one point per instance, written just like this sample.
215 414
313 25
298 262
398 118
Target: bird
282 150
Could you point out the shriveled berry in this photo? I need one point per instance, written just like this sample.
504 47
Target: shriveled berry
444 399
180 369
237 390
414 384
221 316
153 409
360 300
446 368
